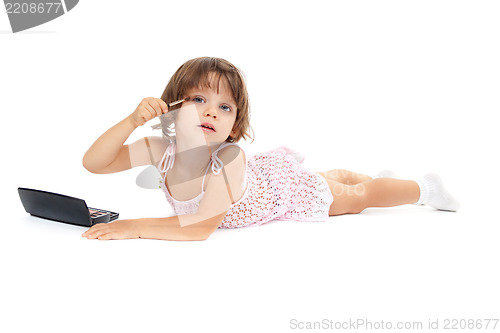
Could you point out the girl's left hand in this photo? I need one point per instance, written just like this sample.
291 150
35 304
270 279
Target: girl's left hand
120 229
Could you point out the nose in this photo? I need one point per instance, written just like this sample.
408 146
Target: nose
210 112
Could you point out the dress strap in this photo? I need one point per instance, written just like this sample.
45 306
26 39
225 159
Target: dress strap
167 161
216 162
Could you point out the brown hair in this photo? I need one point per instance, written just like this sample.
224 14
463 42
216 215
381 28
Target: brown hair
194 73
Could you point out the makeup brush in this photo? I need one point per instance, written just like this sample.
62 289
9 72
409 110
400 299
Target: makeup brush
179 101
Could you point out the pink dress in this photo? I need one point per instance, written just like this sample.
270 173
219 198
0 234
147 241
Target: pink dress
278 187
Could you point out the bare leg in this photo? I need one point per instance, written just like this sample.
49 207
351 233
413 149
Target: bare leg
379 192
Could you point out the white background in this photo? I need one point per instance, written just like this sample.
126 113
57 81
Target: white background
410 86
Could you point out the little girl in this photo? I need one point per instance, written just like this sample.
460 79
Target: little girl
209 180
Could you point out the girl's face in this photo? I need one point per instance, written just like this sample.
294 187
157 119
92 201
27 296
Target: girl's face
215 114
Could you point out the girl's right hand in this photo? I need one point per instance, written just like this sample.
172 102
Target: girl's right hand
149 108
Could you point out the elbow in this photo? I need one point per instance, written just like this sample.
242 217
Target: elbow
201 236
88 166
209 226
85 164
204 237
196 227
185 237
198 239
206 230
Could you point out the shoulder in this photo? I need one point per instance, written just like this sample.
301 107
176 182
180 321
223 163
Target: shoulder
232 155
147 150
225 187
157 145
233 161
234 169
156 142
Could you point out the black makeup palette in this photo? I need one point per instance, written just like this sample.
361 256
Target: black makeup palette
63 208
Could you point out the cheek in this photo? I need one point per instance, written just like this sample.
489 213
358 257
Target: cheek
234 116
187 116
232 122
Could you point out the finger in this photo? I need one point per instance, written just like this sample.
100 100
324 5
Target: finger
91 230
163 105
91 235
97 231
97 234
151 110
107 236
156 107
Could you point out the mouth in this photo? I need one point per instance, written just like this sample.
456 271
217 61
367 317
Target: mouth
207 127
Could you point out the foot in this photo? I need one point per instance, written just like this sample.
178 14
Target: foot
433 193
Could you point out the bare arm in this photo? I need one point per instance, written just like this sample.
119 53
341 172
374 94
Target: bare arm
108 154
109 148
170 229
165 228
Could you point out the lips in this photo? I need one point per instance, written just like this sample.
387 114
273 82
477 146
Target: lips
207 127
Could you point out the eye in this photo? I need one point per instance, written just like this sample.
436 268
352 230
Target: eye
198 99
225 108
